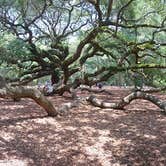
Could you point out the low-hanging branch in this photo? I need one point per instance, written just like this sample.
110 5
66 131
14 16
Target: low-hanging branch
139 66
36 95
115 69
126 100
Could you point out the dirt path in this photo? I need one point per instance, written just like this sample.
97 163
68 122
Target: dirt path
87 136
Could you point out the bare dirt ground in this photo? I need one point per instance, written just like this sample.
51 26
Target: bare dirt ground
87 136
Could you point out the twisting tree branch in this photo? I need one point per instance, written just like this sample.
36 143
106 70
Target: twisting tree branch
36 95
126 100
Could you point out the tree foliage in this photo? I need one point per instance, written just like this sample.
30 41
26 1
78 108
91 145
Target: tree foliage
89 40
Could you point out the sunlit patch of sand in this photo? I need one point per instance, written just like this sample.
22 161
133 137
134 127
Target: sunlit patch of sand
70 128
150 136
6 135
13 162
49 121
12 107
97 150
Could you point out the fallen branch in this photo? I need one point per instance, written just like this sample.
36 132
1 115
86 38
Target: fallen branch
126 100
24 92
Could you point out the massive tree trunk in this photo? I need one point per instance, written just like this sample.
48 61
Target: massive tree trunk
36 95
126 100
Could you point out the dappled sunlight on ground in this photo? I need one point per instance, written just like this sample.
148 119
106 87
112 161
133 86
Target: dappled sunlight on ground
13 162
86 136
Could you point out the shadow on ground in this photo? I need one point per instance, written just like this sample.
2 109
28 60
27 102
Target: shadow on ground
86 136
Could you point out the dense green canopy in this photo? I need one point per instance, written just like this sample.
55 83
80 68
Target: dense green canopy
83 41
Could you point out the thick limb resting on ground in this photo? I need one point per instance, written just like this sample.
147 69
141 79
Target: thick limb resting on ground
153 90
126 100
24 92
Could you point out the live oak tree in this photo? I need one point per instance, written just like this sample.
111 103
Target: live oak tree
67 39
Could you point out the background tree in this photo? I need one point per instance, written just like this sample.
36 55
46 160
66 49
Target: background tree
84 41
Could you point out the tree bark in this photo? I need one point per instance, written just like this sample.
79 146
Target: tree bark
126 100
36 95
154 90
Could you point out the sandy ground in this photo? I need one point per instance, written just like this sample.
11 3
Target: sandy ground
86 136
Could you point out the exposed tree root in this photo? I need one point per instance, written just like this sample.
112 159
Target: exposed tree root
126 100
76 101
25 92
65 108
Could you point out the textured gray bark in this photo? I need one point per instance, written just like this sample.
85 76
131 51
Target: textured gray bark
24 92
126 100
